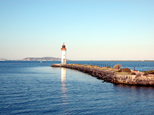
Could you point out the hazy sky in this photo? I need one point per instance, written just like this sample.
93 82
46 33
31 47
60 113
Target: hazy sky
91 29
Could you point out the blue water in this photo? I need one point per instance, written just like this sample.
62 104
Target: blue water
37 88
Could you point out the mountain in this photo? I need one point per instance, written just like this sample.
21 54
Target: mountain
3 59
41 59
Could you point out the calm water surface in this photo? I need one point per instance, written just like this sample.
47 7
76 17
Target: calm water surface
37 88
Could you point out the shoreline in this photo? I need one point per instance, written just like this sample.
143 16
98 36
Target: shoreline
86 60
118 60
109 75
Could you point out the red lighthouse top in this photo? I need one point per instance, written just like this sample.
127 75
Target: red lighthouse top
63 47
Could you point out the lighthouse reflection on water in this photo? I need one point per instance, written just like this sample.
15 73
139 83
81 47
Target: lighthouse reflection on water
63 75
63 85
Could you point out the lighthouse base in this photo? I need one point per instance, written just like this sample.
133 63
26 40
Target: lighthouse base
63 61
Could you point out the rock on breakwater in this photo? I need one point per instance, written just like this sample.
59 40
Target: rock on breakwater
109 75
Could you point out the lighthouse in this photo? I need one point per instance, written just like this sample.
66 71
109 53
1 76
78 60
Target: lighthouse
63 58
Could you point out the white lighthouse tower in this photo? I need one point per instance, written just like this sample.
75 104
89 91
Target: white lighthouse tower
63 58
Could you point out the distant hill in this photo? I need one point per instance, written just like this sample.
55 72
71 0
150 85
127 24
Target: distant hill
35 59
41 59
2 59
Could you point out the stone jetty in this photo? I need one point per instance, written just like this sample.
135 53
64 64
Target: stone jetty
112 75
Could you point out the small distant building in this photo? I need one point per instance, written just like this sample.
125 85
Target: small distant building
63 58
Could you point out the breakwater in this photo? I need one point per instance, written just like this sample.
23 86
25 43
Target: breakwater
110 75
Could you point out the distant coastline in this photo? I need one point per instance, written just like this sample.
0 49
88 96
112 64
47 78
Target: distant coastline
59 59
116 60
35 59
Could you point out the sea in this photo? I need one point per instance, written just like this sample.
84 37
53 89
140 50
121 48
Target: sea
36 88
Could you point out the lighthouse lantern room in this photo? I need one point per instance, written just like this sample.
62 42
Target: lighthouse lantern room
63 58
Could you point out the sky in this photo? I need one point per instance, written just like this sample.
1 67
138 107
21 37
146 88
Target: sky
90 29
